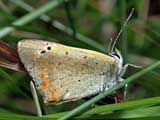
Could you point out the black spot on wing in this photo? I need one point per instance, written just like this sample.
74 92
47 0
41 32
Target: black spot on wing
43 51
49 48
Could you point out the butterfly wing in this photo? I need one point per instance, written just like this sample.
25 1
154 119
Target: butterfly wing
63 73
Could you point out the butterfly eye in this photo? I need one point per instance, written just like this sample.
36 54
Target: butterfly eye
116 55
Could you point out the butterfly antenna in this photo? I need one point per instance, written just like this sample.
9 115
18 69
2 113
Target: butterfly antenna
110 45
124 25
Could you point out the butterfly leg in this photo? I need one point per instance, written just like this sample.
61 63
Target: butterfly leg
120 79
105 85
122 73
36 101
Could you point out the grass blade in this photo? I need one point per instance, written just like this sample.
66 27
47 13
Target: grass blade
117 106
62 27
131 114
30 16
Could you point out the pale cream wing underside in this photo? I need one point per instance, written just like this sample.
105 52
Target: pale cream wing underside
63 73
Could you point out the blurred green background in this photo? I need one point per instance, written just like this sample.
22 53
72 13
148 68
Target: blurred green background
85 24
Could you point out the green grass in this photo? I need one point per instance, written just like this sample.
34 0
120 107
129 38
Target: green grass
90 25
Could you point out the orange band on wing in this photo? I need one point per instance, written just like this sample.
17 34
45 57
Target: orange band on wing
53 94
45 84
44 77
43 68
